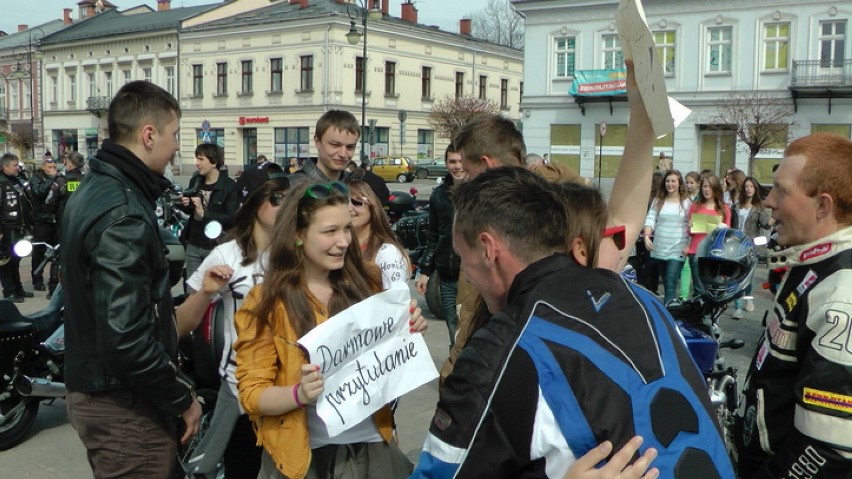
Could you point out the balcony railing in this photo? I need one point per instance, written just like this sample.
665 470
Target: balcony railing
822 73
98 104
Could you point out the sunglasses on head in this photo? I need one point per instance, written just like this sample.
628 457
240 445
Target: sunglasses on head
358 202
324 190
276 198
618 235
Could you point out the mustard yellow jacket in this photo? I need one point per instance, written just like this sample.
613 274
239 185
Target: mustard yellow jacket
275 359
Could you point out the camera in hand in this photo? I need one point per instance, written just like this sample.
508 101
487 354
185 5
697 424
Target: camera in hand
190 193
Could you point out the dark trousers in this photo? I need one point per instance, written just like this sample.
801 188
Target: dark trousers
124 436
10 277
48 233
449 293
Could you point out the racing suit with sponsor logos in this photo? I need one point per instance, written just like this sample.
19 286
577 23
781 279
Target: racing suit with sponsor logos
795 420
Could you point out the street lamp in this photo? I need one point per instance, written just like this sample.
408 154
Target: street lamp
353 37
28 53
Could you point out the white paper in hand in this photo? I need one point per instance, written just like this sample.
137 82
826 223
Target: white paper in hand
368 357
637 43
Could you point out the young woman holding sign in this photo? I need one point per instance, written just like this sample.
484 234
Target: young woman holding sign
315 270
711 202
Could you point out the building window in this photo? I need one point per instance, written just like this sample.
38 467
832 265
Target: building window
147 74
459 84
665 42
613 59
291 143
72 83
127 77
3 98
14 99
425 144
197 80
504 94
776 45
565 56
108 83
93 85
426 83
170 80
483 83
248 67
359 74
221 79
390 79
276 74
832 43
28 96
307 73
54 89
719 46
521 89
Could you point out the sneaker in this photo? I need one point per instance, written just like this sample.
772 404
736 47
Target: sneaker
25 294
39 287
749 305
15 299
738 314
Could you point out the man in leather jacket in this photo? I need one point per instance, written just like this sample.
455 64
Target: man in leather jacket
45 187
125 391
15 223
795 415
439 255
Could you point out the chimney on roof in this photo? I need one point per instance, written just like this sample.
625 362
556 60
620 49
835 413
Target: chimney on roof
464 27
66 16
303 4
163 5
22 27
409 12
385 7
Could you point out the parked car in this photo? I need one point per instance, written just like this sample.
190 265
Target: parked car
393 168
434 168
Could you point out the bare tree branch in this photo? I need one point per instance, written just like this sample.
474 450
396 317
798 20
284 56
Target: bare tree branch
759 119
23 138
498 23
449 113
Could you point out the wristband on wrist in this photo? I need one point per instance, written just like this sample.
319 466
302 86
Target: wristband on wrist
296 396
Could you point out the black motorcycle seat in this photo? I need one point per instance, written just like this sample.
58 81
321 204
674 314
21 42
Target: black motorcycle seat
41 321
9 329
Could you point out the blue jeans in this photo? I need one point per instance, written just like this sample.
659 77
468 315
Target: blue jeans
449 292
671 274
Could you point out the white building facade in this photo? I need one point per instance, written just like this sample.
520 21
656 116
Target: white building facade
256 83
796 51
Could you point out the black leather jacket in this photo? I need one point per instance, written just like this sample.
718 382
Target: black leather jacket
119 319
15 209
439 254
45 191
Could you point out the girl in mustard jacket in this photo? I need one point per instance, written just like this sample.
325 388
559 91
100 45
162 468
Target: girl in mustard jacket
315 270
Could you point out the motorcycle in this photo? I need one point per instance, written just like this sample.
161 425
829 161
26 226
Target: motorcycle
32 352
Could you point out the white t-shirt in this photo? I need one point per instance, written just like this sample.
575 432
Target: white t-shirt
230 254
394 265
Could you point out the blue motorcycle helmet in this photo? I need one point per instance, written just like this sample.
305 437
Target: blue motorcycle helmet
726 262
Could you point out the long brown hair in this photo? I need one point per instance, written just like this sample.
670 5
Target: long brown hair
380 229
285 280
718 198
756 200
660 197
246 218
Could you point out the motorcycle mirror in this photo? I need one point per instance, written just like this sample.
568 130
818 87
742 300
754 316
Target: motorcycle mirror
213 230
760 240
23 248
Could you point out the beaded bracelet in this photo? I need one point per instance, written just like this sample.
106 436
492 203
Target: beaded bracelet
296 396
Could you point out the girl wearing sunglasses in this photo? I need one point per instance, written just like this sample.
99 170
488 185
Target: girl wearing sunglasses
377 240
315 270
229 272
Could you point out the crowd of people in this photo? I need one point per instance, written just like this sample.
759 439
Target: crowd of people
556 361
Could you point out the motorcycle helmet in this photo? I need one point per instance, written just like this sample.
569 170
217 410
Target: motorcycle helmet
726 262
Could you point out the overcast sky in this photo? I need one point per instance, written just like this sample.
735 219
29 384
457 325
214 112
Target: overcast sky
443 13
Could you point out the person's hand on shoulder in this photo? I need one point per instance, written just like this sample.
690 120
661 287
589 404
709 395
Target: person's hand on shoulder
616 468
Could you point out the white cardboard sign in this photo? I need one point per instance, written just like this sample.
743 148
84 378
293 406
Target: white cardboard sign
368 357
